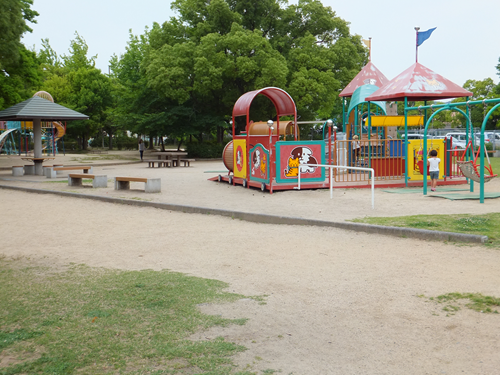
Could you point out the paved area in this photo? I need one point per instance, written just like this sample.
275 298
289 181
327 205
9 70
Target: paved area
190 186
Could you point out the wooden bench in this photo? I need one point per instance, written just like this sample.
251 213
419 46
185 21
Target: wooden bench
187 162
98 181
52 172
17 170
161 163
153 185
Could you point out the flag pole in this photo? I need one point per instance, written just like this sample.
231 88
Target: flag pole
370 39
416 44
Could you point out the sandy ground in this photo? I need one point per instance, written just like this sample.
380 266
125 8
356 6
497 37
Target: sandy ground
338 302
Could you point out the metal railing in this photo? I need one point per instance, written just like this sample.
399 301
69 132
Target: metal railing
331 167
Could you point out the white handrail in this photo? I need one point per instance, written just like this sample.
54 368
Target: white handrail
341 167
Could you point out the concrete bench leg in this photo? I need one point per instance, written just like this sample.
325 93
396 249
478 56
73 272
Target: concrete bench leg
46 171
74 181
100 181
50 172
17 171
29 169
58 173
122 185
153 185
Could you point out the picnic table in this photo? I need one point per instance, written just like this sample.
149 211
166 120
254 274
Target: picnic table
38 163
175 156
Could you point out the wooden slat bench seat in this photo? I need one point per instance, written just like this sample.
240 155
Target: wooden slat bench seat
187 162
52 172
161 163
153 185
98 181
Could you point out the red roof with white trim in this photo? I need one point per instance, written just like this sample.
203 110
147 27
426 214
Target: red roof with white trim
418 83
369 75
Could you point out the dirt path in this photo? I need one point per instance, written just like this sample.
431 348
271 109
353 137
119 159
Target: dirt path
338 302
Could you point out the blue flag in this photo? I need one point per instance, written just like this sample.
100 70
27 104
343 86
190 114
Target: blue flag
424 35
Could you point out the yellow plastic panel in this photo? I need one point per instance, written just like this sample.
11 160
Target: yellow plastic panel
415 157
240 158
397 121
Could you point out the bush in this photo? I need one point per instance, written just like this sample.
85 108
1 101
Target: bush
205 150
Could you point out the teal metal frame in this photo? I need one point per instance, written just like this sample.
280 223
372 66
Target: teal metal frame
453 106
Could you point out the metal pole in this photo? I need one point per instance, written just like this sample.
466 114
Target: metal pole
406 142
416 43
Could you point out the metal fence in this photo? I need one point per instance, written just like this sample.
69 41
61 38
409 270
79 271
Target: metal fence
385 156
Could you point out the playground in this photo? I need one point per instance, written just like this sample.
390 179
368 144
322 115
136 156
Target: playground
346 302
333 300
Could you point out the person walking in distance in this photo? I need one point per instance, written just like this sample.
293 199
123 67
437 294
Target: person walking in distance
141 147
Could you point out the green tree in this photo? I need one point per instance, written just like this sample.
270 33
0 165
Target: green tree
80 86
484 89
214 52
19 68
19 81
13 17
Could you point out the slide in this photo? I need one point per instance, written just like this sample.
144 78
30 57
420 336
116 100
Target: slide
60 132
3 137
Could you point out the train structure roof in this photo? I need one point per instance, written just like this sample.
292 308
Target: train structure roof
284 104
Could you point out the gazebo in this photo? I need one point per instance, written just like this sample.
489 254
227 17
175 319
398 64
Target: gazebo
37 109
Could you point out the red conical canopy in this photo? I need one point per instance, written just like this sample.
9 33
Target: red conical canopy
369 75
418 83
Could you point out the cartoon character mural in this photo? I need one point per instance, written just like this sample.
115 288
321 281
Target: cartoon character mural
300 155
240 170
260 157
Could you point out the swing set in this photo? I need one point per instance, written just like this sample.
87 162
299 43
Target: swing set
469 168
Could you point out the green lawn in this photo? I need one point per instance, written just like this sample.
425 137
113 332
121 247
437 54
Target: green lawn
97 321
486 225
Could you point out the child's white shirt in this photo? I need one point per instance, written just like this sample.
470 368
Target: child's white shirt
434 164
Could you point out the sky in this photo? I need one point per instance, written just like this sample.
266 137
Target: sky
465 45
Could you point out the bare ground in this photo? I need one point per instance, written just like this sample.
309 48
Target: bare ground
338 302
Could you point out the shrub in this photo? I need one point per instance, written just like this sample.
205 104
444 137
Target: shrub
205 150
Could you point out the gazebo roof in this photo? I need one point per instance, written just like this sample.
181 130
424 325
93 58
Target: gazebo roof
368 75
39 108
418 83
283 102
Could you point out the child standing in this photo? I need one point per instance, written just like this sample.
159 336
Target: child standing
433 164
356 148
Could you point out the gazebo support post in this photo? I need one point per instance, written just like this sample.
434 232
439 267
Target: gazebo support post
37 149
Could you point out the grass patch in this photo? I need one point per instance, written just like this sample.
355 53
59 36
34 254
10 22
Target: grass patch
98 157
97 321
477 302
486 225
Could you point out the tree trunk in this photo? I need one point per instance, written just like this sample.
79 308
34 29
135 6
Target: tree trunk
220 134
110 141
151 145
162 144
85 142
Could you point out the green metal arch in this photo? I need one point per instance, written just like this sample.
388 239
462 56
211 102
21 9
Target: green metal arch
481 160
424 154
